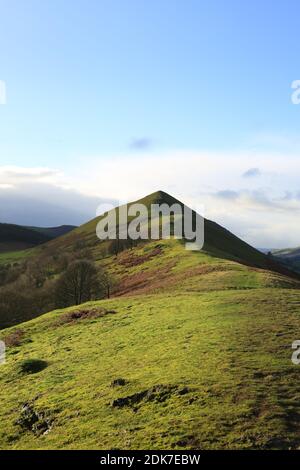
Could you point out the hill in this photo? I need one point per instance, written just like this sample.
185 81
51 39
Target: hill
289 257
219 242
54 232
16 237
192 352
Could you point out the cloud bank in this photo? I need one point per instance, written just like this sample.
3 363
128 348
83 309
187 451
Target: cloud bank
43 197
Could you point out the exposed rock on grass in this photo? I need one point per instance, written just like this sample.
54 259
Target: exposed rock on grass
190 442
157 393
83 314
39 422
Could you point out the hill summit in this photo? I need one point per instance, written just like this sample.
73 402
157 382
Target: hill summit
218 241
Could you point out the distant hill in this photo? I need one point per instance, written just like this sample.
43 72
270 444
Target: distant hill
265 250
289 257
53 232
16 237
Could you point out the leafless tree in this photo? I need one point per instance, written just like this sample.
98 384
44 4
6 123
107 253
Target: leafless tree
78 284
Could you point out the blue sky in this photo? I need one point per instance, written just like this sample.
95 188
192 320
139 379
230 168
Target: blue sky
94 87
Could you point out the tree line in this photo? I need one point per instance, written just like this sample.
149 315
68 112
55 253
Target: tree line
49 281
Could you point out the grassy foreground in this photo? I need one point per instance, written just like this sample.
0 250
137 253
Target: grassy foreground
201 370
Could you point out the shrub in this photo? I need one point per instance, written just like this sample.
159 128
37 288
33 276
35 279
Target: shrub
32 366
14 338
118 382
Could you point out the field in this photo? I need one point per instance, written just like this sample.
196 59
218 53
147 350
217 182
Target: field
14 256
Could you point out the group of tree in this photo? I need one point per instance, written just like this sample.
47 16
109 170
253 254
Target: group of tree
82 282
48 281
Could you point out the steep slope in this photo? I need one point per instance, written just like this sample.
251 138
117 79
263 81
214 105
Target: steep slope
219 242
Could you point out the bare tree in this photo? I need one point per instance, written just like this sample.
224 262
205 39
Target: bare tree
106 282
78 284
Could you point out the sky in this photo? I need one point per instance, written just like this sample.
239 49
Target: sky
109 100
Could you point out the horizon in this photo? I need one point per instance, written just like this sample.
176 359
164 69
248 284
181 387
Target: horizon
110 100
260 248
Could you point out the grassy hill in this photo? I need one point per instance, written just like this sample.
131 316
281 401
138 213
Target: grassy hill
192 352
219 242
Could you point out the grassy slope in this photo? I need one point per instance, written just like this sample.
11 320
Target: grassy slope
219 242
165 265
242 386
225 332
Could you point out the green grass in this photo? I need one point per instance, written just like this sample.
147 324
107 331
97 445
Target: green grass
234 357
14 256
181 270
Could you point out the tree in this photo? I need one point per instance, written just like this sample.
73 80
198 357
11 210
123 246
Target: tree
78 284
106 282
118 245
36 274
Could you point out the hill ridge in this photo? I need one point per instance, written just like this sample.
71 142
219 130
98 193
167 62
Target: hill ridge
218 241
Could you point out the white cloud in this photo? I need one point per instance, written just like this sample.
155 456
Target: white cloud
187 172
14 174
252 172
